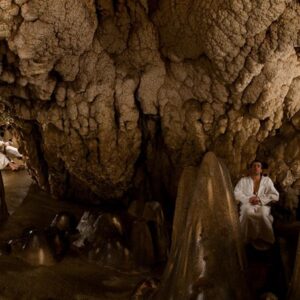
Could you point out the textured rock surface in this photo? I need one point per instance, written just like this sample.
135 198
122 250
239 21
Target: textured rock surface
294 291
206 242
104 91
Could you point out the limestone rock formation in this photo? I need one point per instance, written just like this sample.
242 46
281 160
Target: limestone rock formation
36 250
100 90
206 242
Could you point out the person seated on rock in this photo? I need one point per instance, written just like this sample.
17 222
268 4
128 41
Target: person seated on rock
5 162
255 192
7 149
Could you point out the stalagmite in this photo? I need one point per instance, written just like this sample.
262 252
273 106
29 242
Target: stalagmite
141 243
206 259
36 250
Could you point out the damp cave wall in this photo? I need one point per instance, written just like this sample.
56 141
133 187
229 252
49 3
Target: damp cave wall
113 98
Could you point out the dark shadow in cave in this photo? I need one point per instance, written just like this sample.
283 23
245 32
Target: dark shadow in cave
36 213
273 270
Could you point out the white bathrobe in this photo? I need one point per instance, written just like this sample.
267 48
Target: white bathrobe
256 220
10 150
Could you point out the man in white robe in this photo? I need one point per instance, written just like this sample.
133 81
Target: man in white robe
8 149
255 192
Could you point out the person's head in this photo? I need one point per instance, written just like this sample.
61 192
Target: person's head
256 167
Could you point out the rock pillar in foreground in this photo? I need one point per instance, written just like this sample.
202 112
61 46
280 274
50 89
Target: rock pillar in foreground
294 290
206 258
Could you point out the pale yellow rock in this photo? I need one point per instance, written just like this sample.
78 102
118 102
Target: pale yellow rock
205 213
5 4
4 30
190 77
292 100
13 10
28 14
8 77
20 2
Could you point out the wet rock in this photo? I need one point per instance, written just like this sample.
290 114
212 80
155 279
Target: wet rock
136 209
108 225
154 215
109 243
141 243
59 241
226 81
111 252
64 221
86 229
206 242
145 289
36 250
102 235
7 77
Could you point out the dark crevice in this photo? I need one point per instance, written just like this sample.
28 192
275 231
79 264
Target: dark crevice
33 142
116 112
115 5
154 186
152 7
56 75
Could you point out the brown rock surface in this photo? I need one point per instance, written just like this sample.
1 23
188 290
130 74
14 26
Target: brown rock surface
206 243
100 89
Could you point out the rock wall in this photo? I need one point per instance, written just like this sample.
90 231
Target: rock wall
106 92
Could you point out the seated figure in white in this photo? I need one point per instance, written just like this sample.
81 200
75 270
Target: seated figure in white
8 149
255 192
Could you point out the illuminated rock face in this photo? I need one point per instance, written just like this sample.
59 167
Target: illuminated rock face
103 89
206 242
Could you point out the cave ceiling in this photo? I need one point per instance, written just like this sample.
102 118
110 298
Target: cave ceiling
104 91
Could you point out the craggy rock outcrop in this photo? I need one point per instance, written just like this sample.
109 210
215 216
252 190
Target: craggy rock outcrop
206 242
114 89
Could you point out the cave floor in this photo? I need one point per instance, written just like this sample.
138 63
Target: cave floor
74 277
